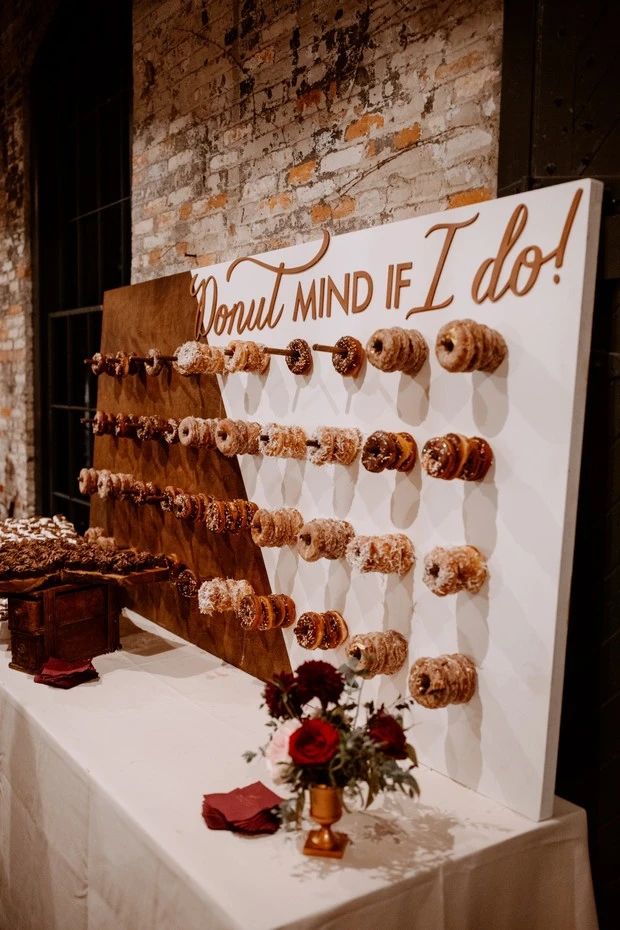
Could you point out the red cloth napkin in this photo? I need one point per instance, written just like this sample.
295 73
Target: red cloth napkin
61 674
246 810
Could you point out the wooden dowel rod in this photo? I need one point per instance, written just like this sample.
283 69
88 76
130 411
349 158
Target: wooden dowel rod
320 348
229 352
273 351
314 443
263 438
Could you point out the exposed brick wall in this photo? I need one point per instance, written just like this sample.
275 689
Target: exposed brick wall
257 122
21 26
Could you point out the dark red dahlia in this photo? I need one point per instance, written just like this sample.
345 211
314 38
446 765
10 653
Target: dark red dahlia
321 680
282 696
387 732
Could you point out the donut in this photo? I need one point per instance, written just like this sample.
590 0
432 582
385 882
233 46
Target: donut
329 444
350 356
408 452
218 595
153 364
250 612
276 527
465 345
445 456
438 682
104 483
190 359
231 437
246 356
186 583
283 441
125 425
380 451
125 364
170 431
309 630
448 571
103 423
299 357
99 364
391 553
326 539
479 460
194 431
377 653
87 481
397 349
335 630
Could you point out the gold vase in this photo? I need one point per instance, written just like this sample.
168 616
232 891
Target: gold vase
325 809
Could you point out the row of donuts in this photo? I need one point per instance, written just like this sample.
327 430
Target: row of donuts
446 571
460 346
447 457
433 682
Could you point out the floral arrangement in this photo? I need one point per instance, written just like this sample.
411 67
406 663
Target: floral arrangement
317 738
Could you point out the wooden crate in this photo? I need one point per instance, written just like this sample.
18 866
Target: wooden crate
66 621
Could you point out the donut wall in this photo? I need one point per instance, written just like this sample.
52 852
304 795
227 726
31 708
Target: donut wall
524 267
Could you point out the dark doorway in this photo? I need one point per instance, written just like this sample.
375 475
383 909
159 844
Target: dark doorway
81 119
560 120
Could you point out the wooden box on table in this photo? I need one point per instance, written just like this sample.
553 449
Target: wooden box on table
66 621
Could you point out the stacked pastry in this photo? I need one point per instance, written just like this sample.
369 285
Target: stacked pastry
447 679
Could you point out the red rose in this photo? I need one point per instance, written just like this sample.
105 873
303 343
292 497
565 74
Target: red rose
314 743
388 733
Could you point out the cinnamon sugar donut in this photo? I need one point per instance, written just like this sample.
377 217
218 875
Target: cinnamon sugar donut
391 553
247 356
87 481
153 364
324 539
350 356
397 349
447 679
276 527
299 357
377 653
465 345
232 437
194 431
448 571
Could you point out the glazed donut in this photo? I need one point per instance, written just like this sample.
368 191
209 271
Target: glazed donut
324 539
391 553
445 456
309 630
299 357
194 431
283 441
335 630
448 571
397 349
153 364
444 680
276 527
349 358
380 451
408 452
465 345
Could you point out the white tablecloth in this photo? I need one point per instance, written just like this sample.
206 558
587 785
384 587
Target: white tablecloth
100 821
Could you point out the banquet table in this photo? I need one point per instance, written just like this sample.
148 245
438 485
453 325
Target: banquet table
101 789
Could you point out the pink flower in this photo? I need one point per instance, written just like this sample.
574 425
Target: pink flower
276 753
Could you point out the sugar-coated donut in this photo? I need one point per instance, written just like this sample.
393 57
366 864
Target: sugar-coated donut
443 680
